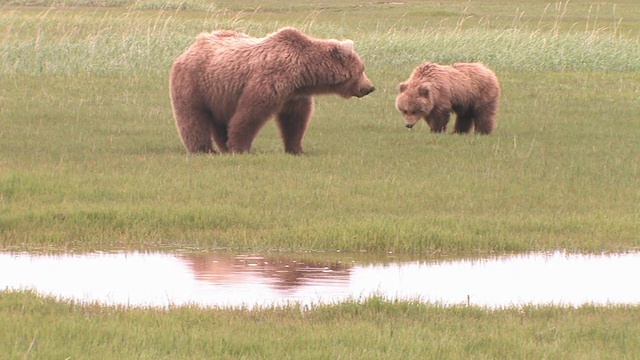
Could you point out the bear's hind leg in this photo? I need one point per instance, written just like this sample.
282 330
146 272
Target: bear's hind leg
485 121
293 121
195 131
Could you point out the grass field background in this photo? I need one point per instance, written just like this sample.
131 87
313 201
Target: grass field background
91 157
90 160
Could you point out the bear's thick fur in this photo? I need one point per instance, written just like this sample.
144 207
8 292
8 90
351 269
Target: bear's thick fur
433 91
228 84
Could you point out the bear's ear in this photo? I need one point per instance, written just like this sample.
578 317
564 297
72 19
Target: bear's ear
423 91
344 48
403 87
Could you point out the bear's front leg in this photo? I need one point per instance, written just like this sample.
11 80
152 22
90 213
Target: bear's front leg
464 122
221 136
438 121
252 112
293 121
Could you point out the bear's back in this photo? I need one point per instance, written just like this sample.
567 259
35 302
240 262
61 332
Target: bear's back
223 40
476 83
475 71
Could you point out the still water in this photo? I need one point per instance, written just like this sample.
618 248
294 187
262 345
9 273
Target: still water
220 279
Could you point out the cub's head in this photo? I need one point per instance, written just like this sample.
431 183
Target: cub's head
414 102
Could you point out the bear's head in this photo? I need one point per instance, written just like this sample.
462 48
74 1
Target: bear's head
357 83
341 71
414 102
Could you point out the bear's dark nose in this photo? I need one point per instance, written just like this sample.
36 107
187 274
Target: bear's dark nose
366 91
409 126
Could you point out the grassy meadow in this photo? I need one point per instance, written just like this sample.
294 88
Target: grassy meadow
90 159
374 329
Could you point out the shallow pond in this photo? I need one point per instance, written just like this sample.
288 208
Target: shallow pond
222 279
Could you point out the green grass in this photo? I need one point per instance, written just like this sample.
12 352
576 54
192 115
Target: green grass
549 178
90 160
373 329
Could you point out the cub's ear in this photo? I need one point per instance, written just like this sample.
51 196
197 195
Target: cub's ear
343 48
403 87
423 91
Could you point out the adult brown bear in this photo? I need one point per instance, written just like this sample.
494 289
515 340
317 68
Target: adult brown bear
227 85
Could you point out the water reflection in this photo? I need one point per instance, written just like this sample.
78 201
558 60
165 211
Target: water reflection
281 273
165 279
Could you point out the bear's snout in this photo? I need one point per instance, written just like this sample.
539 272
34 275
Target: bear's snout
364 91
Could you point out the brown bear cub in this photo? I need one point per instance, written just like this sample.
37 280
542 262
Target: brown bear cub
227 85
433 91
